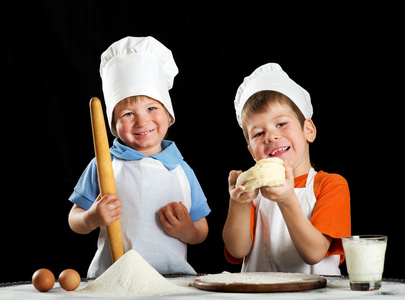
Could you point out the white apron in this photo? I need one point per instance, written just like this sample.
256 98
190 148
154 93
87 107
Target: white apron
145 186
273 250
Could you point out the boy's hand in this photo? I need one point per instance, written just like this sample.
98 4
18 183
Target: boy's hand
238 194
176 220
104 211
280 193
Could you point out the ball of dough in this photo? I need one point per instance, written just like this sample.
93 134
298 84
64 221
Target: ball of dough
266 172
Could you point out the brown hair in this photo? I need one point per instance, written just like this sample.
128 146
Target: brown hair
259 102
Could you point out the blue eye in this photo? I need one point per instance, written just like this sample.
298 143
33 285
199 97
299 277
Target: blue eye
149 109
128 114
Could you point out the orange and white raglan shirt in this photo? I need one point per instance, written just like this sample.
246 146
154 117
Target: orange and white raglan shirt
325 200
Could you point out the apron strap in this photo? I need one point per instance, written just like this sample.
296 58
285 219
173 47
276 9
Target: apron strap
310 189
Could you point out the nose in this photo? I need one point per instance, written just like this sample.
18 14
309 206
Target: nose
141 120
270 137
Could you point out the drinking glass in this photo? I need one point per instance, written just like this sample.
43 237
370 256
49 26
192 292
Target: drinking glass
365 256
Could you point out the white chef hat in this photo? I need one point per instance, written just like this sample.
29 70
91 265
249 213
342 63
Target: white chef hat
136 66
271 77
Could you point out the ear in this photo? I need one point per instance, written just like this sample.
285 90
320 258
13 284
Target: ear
251 152
170 119
309 130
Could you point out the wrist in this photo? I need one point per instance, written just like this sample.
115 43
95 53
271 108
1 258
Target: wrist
88 221
288 202
187 235
240 205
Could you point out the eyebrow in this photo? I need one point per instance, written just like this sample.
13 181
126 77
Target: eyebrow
275 118
278 116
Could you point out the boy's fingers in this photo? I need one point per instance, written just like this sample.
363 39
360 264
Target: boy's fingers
163 218
169 214
179 209
239 195
289 172
239 191
110 198
114 205
233 176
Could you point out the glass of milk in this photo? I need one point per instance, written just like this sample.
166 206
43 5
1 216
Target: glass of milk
365 260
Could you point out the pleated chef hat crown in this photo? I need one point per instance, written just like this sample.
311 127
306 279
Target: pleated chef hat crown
136 66
271 77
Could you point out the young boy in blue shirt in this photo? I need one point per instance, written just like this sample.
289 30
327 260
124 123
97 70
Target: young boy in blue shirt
159 201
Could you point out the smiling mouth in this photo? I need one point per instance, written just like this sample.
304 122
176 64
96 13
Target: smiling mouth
279 151
144 133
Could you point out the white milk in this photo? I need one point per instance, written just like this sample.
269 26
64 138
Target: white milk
365 259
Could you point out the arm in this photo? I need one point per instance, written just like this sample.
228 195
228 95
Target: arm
236 232
198 234
104 211
310 243
177 222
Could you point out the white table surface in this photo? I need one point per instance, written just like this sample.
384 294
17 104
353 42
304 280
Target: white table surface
337 288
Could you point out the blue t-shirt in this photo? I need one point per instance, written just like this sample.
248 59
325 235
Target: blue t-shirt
87 189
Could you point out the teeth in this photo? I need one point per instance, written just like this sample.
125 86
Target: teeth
279 149
143 133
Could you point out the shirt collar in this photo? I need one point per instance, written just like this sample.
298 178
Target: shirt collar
170 156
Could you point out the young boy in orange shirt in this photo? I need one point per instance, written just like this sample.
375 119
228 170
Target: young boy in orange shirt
296 227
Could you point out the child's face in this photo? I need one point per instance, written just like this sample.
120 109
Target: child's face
141 124
278 133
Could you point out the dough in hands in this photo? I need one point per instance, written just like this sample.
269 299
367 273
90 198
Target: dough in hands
266 172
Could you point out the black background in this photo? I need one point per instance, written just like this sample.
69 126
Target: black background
348 58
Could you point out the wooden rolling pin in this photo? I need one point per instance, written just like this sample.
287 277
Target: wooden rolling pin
105 173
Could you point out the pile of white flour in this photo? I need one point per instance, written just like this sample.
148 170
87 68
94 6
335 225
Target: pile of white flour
131 275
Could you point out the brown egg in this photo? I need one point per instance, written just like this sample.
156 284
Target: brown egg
69 279
43 280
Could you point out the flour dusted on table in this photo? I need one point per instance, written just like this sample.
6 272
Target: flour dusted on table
131 275
254 277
